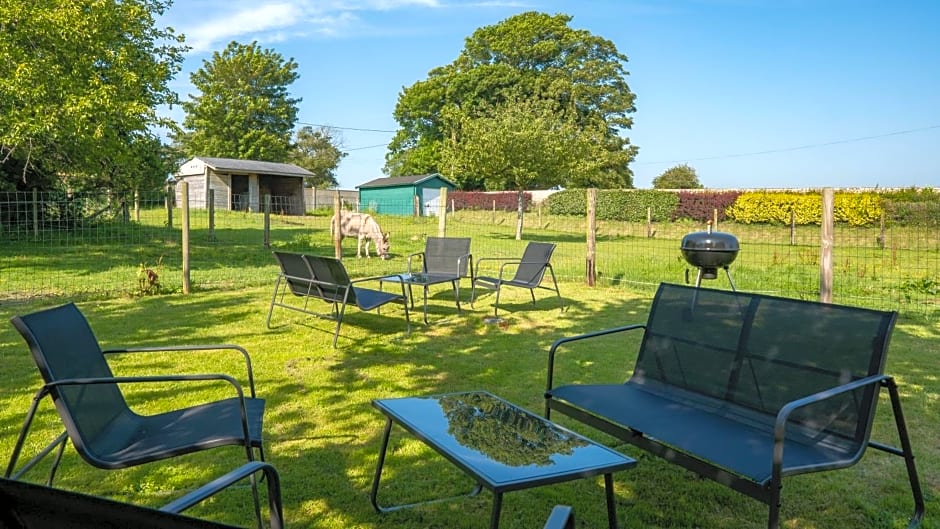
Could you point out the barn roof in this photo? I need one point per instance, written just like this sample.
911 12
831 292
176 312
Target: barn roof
394 181
236 166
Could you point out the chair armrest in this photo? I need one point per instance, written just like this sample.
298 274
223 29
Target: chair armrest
561 517
780 425
469 259
410 256
198 347
499 259
568 339
248 469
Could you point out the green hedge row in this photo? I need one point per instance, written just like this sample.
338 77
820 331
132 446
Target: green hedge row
868 208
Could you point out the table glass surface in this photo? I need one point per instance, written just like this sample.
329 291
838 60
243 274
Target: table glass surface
500 442
421 278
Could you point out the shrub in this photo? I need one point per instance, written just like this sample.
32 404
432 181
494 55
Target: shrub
615 204
856 209
505 200
701 205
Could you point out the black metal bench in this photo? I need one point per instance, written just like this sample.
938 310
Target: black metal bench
746 389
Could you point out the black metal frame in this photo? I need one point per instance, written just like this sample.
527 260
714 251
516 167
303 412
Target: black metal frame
767 492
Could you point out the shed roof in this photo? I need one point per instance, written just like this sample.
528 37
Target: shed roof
236 166
394 181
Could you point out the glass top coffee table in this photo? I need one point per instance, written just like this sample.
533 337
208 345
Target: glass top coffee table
424 280
501 446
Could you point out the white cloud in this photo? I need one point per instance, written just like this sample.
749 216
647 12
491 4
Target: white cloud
210 32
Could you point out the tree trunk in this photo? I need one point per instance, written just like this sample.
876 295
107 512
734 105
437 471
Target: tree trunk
520 210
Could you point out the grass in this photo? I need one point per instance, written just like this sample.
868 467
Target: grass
323 434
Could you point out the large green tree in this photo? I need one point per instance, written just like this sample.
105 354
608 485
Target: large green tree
80 84
243 109
318 151
531 56
682 176
521 145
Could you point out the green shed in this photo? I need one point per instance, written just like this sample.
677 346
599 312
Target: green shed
396 195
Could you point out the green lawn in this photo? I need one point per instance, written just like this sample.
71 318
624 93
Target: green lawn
323 434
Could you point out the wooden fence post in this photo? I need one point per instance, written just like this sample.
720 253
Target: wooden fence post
210 199
136 206
792 227
337 226
35 214
267 220
169 206
442 214
184 190
590 254
826 244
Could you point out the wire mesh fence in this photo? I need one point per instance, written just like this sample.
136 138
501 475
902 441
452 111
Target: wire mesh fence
59 245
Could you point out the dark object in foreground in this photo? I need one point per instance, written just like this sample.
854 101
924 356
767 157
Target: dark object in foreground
746 389
98 421
31 506
708 251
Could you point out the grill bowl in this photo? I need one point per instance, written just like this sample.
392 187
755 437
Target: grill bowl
710 249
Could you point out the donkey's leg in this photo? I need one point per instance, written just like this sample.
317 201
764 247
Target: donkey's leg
359 247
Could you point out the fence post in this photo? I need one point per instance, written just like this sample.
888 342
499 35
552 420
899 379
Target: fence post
35 214
649 223
210 198
169 206
337 226
590 256
267 220
416 206
184 190
136 206
442 214
792 227
826 244
494 212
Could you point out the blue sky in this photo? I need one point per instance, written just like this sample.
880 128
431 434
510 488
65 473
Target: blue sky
750 93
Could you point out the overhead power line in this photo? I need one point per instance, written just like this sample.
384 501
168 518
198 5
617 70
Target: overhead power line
346 128
798 148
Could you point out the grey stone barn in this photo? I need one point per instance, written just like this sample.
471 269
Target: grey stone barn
240 185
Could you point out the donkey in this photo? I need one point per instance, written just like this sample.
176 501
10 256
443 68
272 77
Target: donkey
364 228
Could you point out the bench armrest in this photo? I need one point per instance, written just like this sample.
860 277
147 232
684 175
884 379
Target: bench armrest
783 416
568 339
223 482
185 348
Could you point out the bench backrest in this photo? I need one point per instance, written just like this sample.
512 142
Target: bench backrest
332 279
760 352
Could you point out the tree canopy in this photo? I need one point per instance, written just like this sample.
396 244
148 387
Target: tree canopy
80 83
535 59
679 177
318 151
243 109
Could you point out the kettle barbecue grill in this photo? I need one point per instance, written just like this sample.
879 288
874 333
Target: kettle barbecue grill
708 251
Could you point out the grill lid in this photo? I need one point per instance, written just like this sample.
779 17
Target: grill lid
710 249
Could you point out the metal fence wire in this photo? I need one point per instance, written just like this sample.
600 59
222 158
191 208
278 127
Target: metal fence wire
101 245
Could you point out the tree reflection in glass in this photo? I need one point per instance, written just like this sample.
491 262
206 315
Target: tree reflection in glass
503 432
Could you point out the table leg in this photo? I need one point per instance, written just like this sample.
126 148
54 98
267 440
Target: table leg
373 497
374 494
611 506
425 304
497 508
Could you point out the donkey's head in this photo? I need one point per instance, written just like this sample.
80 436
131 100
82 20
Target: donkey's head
384 246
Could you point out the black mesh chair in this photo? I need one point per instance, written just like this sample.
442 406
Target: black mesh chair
98 421
529 272
31 506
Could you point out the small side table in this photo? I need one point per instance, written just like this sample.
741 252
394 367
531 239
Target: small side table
501 446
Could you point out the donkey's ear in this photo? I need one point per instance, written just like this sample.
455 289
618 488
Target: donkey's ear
386 235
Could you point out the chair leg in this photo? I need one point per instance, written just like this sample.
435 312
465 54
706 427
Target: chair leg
907 453
277 286
339 321
496 301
